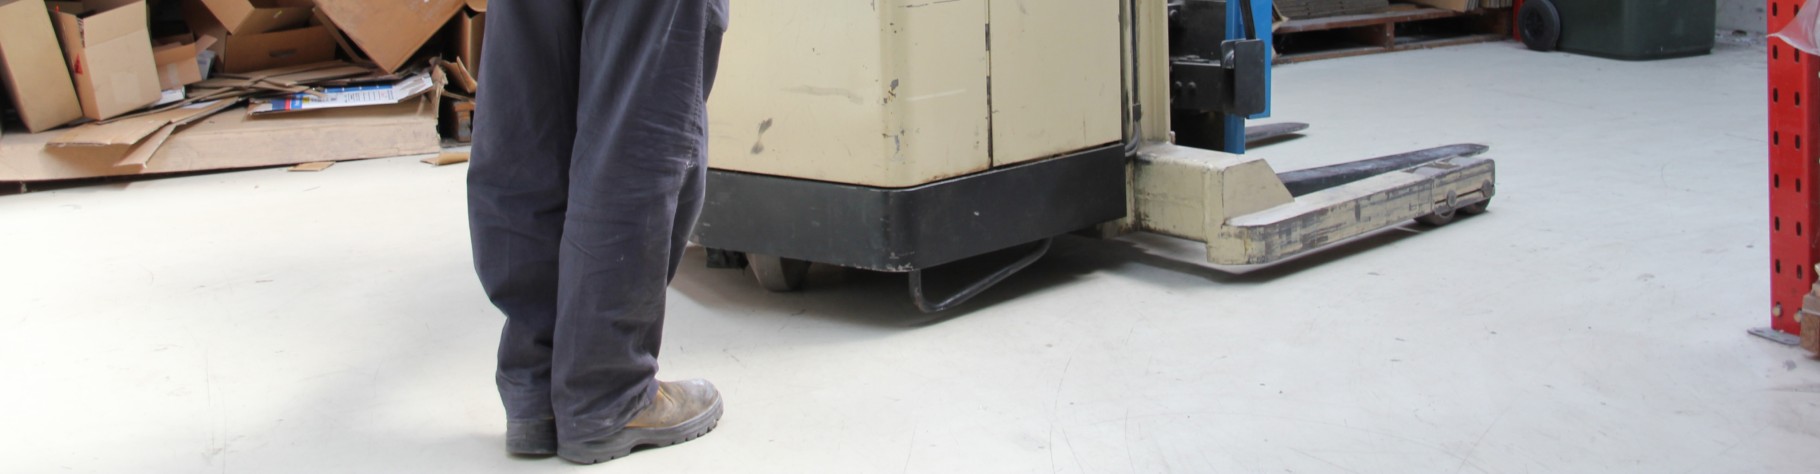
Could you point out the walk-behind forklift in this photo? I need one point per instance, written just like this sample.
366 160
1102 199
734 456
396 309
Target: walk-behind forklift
906 135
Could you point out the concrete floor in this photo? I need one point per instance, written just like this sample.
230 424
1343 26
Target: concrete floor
1595 321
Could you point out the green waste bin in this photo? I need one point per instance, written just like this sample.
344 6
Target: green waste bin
1628 29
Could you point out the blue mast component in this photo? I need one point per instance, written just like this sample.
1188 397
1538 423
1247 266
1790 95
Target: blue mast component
1262 15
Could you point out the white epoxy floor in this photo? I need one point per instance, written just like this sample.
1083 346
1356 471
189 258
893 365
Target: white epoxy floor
1595 321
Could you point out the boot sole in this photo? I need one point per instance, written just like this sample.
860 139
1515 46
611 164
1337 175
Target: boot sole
532 439
531 448
622 444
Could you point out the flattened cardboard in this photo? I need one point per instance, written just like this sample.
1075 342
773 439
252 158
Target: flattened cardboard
36 75
134 130
314 166
177 66
109 52
138 139
342 97
259 51
447 158
142 153
232 140
390 32
250 16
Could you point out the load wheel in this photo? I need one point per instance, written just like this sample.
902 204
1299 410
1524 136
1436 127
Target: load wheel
1444 212
1476 208
1540 23
1439 218
778 274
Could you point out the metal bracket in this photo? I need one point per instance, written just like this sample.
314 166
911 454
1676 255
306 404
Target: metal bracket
1778 337
920 295
1233 84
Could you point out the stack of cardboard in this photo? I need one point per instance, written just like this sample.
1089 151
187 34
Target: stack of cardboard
464 34
1304 9
1464 5
342 79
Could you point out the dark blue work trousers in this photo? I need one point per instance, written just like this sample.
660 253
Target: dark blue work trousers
590 142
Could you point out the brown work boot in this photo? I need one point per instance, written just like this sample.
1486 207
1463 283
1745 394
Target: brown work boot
681 411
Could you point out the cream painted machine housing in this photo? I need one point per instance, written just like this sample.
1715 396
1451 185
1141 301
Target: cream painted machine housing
900 93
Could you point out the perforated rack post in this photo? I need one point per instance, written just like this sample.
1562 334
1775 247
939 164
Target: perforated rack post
1792 197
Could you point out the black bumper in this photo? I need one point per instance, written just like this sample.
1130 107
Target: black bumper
908 229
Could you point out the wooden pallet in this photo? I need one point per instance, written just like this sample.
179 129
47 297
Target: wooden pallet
1402 28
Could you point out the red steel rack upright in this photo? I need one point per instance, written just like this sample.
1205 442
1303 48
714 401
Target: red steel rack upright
1793 199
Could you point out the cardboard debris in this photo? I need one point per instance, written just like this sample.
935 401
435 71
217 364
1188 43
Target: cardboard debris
109 51
259 51
1455 5
168 97
177 65
458 119
1306 9
33 66
349 96
250 16
447 158
137 139
466 34
142 153
284 80
390 32
132 131
233 140
460 76
313 167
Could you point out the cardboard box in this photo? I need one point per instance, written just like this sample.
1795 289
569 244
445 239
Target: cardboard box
251 16
66 7
259 51
465 34
390 32
177 66
36 74
109 51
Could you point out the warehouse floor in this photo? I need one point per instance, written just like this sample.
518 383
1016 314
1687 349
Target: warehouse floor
266 321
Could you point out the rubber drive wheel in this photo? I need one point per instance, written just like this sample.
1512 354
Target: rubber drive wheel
1540 23
778 274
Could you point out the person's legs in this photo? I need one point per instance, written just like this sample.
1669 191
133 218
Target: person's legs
518 191
634 189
